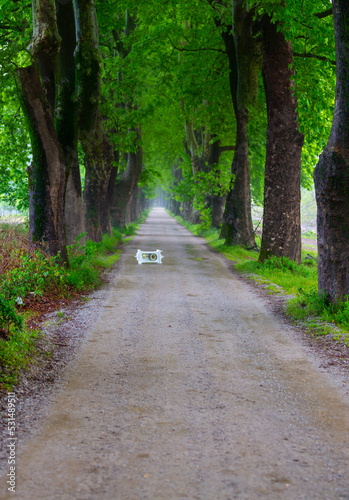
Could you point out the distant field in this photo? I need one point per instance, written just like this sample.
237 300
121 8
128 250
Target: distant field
308 211
308 214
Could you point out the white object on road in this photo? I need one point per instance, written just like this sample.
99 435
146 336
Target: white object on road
149 257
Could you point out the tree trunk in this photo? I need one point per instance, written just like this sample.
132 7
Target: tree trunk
46 174
67 122
73 213
135 208
187 211
237 217
98 151
244 65
332 176
110 193
218 202
99 157
45 46
282 196
127 183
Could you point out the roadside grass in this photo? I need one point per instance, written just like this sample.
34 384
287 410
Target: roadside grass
15 354
29 277
283 276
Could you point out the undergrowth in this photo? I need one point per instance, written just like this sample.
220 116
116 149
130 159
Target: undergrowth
27 275
282 275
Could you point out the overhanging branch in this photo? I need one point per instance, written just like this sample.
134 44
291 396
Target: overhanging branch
184 49
324 13
314 56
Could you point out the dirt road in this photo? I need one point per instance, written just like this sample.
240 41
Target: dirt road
188 388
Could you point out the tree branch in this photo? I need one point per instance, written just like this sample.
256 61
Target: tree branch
227 148
323 14
183 49
314 56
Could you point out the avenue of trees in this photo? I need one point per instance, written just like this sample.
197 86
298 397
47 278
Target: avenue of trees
209 105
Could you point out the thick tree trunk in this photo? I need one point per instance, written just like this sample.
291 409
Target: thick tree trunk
67 122
216 200
281 219
47 172
218 203
172 204
135 208
244 66
98 151
45 45
127 183
73 213
332 176
187 211
237 215
99 157
110 194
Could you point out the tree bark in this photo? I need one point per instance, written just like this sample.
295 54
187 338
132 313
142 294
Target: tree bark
73 207
331 176
127 183
45 45
99 158
218 203
110 194
46 174
67 121
237 219
99 155
282 196
216 200
243 50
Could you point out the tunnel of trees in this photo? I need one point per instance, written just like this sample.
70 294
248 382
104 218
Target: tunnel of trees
204 106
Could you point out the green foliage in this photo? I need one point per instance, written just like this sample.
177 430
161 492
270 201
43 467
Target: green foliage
35 273
311 304
172 67
283 272
9 317
15 30
38 274
15 354
86 261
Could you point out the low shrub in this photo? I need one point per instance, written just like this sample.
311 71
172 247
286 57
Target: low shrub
9 317
15 354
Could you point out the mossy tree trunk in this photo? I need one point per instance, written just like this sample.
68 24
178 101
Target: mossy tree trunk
332 176
237 225
45 45
99 154
281 219
37 92
67 121
46 173
244 55
126 185
217 199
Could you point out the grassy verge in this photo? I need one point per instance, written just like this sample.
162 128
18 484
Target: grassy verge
283 276
31 279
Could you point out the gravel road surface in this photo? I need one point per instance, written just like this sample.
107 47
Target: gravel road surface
187 387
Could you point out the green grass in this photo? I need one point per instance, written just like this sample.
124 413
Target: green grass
106 261
15 354
284 276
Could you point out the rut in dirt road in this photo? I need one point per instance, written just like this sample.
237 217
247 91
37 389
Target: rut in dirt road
188 388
